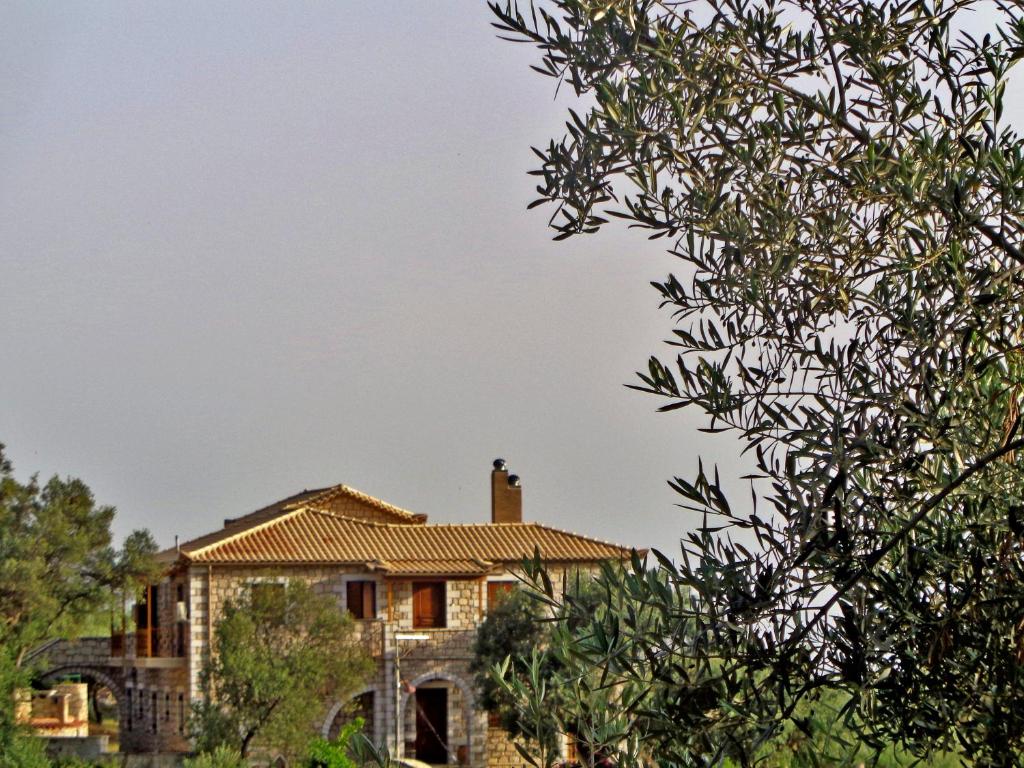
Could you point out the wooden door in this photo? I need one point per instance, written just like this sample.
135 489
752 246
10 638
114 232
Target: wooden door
432 725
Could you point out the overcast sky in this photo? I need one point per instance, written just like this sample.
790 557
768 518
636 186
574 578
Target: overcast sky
251 248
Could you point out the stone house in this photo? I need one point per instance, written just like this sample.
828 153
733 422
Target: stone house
417 590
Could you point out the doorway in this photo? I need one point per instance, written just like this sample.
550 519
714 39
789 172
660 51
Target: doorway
432 725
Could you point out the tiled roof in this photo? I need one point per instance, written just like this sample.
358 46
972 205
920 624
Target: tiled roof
316 498
433 567
328 496
310 536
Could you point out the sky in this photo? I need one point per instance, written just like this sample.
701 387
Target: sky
251 248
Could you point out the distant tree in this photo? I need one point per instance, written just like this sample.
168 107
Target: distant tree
846 200
57 570
278 651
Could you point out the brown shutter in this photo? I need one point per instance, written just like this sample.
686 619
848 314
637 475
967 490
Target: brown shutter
428 608
353 599
361 598
369 600
497 591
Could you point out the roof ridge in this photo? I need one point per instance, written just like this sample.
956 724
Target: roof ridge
363 496
245 532
378 524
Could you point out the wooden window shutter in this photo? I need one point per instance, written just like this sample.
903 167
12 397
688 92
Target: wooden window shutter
369 600
428 608
361 598
498 591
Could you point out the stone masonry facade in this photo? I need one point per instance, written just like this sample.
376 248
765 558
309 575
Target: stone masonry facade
421 681
155 694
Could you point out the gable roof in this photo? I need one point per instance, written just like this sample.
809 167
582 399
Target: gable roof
307 535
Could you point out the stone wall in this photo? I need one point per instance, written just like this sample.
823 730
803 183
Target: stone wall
443 659
155 710
501 750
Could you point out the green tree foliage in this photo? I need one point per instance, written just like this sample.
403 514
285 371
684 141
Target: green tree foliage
218 757
845 198
512 628
57 564
279 651
58 568
322 753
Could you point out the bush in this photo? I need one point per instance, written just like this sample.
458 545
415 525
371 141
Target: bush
220 757
322 753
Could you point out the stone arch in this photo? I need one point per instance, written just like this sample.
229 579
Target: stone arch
332 713
468 705
100 676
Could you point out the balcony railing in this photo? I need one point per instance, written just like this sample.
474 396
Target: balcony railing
147 643
440 644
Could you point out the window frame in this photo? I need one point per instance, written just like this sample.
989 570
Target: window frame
496 587
440 618
365 585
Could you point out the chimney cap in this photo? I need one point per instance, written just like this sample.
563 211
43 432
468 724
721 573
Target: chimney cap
500 465
513 481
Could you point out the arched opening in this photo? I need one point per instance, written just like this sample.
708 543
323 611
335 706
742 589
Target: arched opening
437 717
103 706
363 705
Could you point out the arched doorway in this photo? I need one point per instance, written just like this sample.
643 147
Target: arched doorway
436 712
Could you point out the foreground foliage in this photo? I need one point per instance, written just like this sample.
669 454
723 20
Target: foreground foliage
513 629
280 650
845 198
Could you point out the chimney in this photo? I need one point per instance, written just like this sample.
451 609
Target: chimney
506 495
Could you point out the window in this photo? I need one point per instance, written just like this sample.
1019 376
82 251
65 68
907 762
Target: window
361 599
181 714
153 713
428 601
129 708
167 707
498 591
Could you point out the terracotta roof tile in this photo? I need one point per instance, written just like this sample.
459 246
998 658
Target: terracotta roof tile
316 498
308 535
434 567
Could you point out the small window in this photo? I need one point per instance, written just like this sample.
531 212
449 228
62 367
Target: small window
428 604
361 599
182 720
153 713
498 591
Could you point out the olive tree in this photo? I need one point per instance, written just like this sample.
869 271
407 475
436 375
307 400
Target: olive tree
279 650
844 196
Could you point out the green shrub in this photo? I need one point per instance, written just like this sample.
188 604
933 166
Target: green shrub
220 757
322 753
